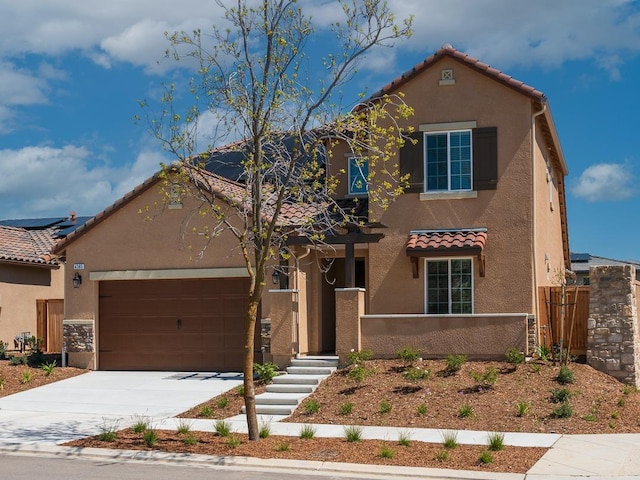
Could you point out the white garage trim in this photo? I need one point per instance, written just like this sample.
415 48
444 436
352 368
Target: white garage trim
172 274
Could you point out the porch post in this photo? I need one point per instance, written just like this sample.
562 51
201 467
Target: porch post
349 265
349 309
283 328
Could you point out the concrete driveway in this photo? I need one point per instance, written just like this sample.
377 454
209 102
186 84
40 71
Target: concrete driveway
79 406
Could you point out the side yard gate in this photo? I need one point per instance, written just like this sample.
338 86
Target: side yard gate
50 314
563 316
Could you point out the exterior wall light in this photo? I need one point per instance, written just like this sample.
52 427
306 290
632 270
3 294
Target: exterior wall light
275 277
77 280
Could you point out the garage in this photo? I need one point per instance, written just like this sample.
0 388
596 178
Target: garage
177 324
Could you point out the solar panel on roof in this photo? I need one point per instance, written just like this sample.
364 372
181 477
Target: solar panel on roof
580 257
31 223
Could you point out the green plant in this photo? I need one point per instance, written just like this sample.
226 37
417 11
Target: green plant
495 441
26 377
150 437
355 358
35 344
441 456
307 432
421 409
563 410
3 350
543 352
559 395
486 379
385 452
184 426
416 375
345 408
590 417
18 360
408 355
465 411
141 424
565 375
621 402
352 433
454 363
514 356
266 371
233 441
205 411
615 415
240 390
358 373
108 430
385 407
48 368
223 428
282 447
222 402
449 439
404 438
2 382
265 429
311 406
522 408
190 439
536 368
485 458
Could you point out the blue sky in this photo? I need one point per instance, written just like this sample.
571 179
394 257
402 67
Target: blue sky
71 73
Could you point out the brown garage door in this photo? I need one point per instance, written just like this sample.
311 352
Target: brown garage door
187 325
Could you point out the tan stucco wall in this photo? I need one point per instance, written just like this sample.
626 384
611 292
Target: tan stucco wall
20 287
477 337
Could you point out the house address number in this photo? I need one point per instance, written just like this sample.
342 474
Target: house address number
78 266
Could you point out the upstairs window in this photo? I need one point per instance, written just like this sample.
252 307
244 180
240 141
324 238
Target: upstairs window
448 161
358 176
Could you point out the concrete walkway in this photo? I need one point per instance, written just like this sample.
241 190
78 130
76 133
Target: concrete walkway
39 420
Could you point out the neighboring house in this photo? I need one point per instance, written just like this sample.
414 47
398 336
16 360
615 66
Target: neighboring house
31 280
455 265
581 263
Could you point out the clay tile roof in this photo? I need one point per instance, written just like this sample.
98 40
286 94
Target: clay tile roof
446 242
448 51
30 246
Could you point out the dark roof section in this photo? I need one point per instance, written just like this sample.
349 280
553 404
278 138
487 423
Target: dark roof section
582 262
62 226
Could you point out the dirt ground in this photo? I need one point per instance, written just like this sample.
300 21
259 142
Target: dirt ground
17 378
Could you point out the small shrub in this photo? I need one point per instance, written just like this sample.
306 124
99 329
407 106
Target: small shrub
621 402
408 355
282 447
560 395
266 371
345 408
190 439
240 390
233 441
108 431
353 433
385 452
565 376
355 358
627 389
223 428
205 411
536 368
48 368
150 437
416 375
449 439
485 379
184 426
358 373
441 456
404 438
615 415
3 350
514 356
485 458
222 402
141 424
454 363
465 411
421 409
563 410
385 407
18 360
522 408
26 377
543 353
590 417
307 432
495 441
311 406
265 429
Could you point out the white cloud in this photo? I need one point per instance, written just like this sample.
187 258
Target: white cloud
605 181
49 181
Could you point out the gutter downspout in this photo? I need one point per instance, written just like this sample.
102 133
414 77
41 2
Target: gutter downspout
534 252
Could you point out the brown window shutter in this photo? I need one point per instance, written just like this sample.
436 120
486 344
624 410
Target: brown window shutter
412 162
485 158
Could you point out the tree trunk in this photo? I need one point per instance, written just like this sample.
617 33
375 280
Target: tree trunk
249 388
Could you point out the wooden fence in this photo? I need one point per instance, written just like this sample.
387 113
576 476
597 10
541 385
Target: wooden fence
568 324
49 324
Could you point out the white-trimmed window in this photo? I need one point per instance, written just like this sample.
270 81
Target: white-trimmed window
449 286
448 161
358 176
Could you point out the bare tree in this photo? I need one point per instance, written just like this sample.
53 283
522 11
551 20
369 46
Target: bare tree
251 79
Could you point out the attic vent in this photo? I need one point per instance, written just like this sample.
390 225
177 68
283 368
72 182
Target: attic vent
446 77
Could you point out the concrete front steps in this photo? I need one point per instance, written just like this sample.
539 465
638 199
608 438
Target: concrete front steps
301 378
